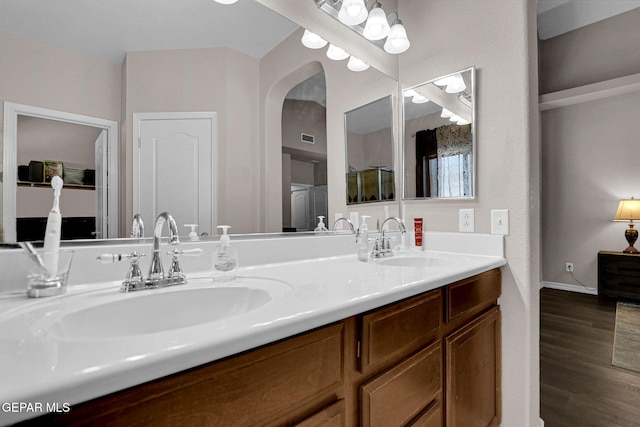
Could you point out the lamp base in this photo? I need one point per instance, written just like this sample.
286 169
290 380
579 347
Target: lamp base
631 234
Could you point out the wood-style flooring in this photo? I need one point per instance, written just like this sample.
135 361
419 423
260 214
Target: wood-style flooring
578 385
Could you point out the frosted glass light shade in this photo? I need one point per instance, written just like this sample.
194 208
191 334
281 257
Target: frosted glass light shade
397 40
409 93
446 113
377 26
456 84
352 12
336 53
312 40
226 1
419 99
356 64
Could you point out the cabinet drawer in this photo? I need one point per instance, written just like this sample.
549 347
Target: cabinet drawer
399 329
397 395
331 416
467 297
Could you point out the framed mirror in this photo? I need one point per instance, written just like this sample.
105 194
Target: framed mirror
439 138
369 149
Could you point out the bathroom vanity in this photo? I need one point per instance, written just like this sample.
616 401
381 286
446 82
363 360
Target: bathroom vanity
410 340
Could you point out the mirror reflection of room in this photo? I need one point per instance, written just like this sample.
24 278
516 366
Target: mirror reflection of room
369 136
304 155
438 148
68 150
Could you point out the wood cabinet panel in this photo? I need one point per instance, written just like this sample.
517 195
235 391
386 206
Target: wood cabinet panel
432 417
470 296
331 416
472 396
619 275
397 395
399 329
254 388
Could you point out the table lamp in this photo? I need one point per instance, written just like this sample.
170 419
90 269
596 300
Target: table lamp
628 211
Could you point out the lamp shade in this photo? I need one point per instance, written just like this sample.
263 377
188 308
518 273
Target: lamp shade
356 64
397 41
352 12
628 210
455 84
377 26
312 40
226 1
336 53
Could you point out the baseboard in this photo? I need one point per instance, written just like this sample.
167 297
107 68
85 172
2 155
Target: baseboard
568 287
541 422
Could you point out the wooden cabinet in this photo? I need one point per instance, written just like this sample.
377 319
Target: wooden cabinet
432 360
619 275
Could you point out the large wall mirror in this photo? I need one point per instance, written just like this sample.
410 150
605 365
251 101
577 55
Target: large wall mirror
188 56
439 138
369 138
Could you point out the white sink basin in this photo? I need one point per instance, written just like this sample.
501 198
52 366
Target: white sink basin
417 261
153 311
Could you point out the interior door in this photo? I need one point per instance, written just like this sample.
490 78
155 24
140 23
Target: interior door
300 209
174 170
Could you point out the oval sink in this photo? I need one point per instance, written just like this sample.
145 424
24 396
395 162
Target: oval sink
148 312
417 261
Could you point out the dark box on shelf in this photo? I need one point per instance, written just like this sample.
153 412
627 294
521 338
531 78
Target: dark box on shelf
89 177
23 173
36 171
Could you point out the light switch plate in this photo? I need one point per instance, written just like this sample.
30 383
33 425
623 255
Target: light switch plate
467 221
500 221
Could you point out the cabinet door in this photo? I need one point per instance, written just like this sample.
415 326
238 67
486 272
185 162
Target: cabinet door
473 373
399 394
331 416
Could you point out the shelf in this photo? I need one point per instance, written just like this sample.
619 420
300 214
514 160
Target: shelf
48 185
591 92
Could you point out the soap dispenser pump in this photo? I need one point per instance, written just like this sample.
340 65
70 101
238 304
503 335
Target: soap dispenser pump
225 258
363 242
193 235
321 227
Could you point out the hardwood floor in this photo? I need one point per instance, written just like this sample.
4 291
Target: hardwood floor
578 385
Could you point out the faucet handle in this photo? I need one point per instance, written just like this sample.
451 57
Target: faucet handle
107 258
176 269
134 278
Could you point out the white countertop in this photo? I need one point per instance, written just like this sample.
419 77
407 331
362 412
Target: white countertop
43 367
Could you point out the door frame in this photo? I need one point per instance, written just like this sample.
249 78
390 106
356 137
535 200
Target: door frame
138 118
10 163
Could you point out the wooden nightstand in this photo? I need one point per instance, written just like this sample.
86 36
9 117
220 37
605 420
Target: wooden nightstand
619 275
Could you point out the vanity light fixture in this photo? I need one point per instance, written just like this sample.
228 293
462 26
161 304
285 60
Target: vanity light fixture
352 12
356 64
312 40
446 113
397 40
336 53
409 93
377 26
419 99
629 211
226 1
454 83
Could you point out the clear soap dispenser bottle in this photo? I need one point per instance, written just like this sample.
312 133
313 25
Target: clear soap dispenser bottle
363 242
225 258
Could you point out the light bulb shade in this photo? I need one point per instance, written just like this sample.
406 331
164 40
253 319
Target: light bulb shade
352 12
409 93
446 113
312 40
456 84
356 64
463 122
397 40
336 53
443 81
455 118
226 1
628 210
419 99
377 26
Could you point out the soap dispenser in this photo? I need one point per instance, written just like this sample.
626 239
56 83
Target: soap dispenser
225 258
321 228
193 235
363 242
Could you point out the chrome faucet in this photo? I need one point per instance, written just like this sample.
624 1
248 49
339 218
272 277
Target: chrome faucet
137 228
353 229
384 248
156 272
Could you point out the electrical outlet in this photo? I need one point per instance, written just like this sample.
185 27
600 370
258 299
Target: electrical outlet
568 267
466 221
500 221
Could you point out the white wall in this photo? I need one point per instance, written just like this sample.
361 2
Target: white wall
499 38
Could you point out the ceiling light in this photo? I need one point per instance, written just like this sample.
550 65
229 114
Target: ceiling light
356 64
456 84
443 81
397 41
352 12
455 118
312 40
336 53
226 1
409 92
419 99
377 26
462 122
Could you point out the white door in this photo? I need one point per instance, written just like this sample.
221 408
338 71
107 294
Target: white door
174 169
300 209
